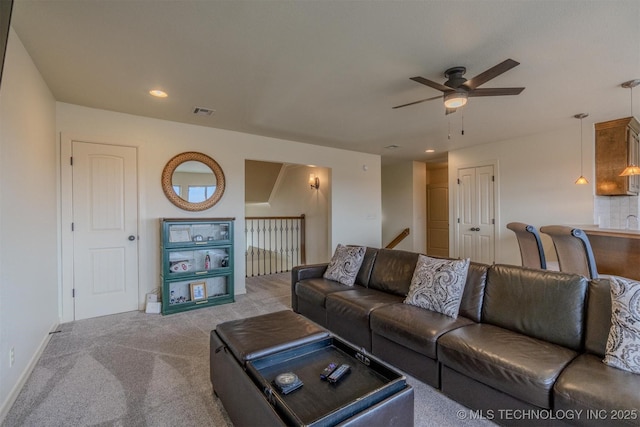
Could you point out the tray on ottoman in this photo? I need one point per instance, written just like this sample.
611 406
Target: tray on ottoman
370 382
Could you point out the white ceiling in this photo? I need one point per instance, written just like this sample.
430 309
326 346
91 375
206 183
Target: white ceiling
328 72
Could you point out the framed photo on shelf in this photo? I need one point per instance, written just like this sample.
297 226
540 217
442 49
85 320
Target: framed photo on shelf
198 291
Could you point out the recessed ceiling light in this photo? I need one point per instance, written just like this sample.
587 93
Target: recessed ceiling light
158 93
430 150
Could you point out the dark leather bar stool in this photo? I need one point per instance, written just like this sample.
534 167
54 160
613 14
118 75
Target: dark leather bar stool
573 249
531 250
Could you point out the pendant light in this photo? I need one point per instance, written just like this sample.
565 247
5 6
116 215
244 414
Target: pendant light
632 169
581 179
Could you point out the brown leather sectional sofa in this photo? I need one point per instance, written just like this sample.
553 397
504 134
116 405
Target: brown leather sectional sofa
525 349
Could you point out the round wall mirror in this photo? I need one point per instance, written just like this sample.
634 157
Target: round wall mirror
193 181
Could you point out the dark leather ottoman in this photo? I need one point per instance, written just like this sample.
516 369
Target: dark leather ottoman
284 335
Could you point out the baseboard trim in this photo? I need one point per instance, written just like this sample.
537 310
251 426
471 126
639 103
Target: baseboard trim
17 388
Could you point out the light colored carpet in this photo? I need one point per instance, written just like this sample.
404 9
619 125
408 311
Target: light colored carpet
137 369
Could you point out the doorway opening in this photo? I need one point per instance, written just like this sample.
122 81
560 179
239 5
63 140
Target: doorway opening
286 218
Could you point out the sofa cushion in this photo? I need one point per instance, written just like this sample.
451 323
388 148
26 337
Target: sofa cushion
598 316
588 384
473 295
437 285
516 364
345 264
543 304
364 273
413 327
392 271
316 290
348 313
623 343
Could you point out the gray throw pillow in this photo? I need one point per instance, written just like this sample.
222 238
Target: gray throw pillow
623 344
438 284
345 264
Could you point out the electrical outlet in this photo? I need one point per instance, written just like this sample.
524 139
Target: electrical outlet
12 357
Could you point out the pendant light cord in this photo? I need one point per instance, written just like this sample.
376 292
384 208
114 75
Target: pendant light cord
581 155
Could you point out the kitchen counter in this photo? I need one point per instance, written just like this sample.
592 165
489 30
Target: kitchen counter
613 232
616 251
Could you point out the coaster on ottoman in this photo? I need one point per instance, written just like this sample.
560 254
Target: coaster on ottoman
262 335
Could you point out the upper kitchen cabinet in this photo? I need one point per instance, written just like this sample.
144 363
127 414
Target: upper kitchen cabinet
616 148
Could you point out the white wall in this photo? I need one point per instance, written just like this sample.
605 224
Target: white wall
293 196
535 183
355 205
404 204
28 219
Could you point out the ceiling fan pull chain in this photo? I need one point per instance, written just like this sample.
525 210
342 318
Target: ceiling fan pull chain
449 133
462 131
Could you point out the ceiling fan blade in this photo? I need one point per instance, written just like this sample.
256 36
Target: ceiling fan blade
498 91
450 111
491 73
429 83
418 102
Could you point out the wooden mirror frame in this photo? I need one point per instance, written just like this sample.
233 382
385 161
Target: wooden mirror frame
167 185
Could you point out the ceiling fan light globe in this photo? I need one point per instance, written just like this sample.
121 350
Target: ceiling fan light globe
455 99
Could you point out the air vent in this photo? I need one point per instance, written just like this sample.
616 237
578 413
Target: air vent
201 111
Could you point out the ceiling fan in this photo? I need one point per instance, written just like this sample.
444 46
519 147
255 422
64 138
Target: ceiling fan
457 89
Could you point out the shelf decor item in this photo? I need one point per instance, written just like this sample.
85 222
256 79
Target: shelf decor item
197 263
179 235
198 291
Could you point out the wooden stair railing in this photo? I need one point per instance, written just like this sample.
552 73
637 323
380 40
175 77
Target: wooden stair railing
399 238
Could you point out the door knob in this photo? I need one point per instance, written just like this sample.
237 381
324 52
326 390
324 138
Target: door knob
132 238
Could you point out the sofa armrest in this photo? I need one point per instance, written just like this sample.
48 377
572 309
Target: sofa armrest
301 272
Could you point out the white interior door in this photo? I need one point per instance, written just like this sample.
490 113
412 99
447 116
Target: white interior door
476 219
105 229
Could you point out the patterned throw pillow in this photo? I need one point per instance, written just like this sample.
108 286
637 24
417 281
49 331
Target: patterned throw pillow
345 264
437 284
623 344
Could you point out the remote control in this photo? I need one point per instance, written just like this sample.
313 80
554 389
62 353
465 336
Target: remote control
328 370
338 373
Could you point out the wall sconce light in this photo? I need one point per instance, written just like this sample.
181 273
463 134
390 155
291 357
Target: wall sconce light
314 181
